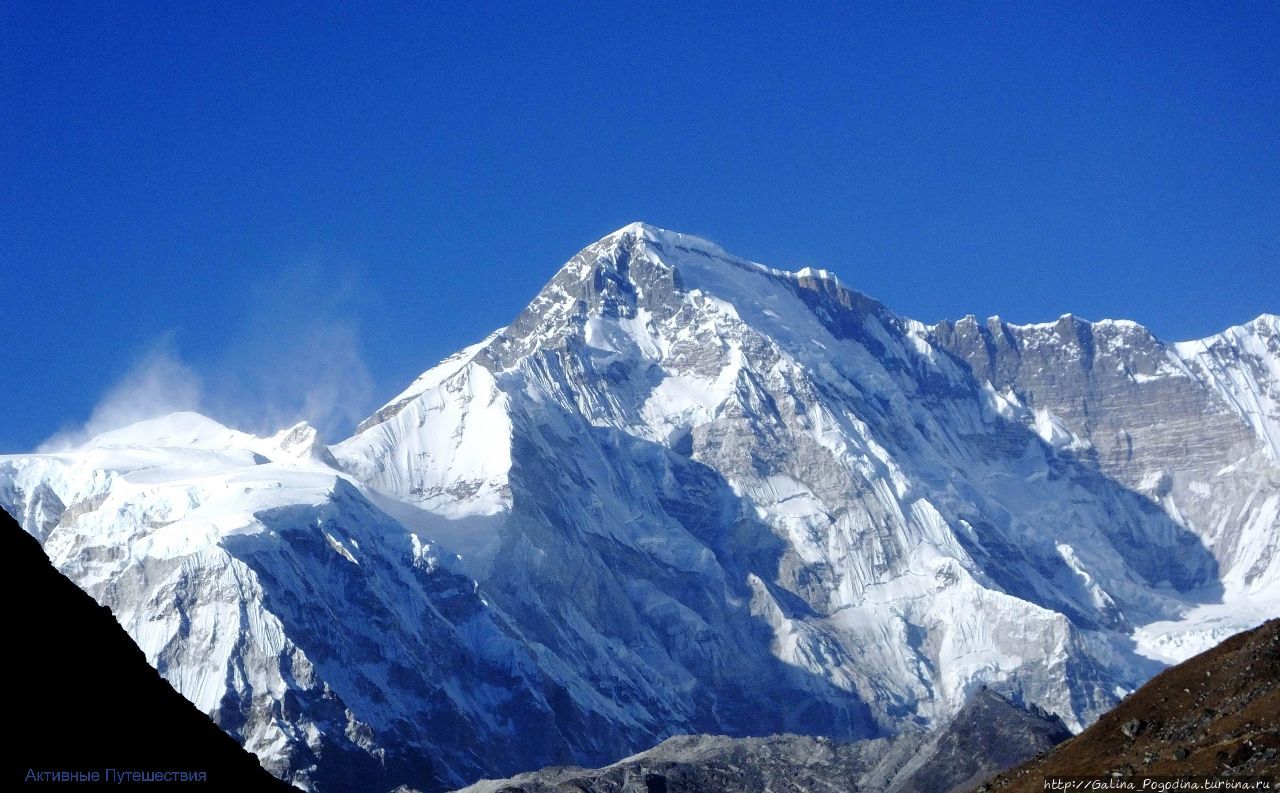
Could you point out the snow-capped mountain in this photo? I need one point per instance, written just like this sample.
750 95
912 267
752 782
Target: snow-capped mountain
687 493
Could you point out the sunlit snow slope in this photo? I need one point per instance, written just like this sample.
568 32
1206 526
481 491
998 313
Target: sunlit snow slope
687 493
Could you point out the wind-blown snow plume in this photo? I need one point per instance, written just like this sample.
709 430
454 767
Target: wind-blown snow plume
158 384
298 355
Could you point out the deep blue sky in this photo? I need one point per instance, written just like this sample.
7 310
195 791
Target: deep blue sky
275 195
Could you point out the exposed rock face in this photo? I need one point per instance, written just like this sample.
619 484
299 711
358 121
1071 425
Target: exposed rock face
685 493
1214 716
85 698
989 734
1162 419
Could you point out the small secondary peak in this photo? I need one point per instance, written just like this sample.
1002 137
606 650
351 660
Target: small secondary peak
300 442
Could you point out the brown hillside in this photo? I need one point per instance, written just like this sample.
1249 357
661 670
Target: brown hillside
1215 715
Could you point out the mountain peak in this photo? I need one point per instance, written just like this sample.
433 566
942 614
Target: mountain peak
641 278
638 227
666 243
720 490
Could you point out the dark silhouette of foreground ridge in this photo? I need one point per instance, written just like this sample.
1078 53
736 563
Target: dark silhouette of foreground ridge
990 733
1216 715
83 699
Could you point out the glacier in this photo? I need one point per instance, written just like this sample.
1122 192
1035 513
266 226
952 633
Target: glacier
683 492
